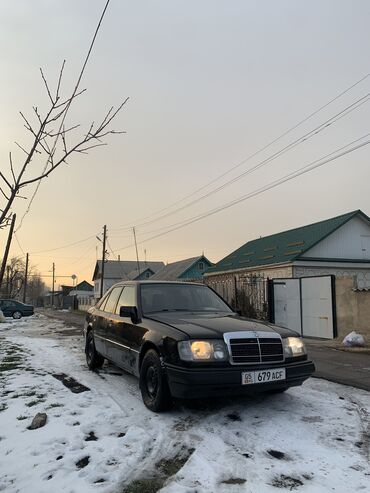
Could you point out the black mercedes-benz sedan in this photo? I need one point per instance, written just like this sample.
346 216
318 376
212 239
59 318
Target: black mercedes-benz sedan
184 341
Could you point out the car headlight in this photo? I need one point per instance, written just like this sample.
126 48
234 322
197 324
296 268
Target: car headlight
293 347
203 350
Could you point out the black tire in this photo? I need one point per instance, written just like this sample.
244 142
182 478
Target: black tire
17 315
94 360
153 383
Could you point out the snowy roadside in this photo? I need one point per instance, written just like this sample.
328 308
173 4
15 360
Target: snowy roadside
313 438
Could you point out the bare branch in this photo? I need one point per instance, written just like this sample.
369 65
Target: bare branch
59 80
11 166
51 134
70 99
47 87
6 180
2 191
28 125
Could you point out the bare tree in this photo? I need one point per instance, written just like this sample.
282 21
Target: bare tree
52 144
35 288
14 278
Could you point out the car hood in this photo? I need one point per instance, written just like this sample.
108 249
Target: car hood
214 325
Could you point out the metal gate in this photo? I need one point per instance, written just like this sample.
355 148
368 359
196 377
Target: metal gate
306 305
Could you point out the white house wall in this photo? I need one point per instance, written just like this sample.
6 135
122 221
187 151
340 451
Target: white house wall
359 274
108 283
350 241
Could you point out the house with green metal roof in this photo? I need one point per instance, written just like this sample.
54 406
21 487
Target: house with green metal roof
326 263
190 269
341 242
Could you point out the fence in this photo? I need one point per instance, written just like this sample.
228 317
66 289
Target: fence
247 294
84 303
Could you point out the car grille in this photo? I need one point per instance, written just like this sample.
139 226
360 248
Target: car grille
256 350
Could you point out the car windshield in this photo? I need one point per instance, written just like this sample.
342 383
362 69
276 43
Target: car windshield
180 297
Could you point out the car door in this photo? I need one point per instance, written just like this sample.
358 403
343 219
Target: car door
99 325
128 334
107 324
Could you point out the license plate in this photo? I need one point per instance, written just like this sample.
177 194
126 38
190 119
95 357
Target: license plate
263 376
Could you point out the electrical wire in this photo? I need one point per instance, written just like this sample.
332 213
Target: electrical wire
248 158
66 111
277 154
300 171
17 240
62 247
312 133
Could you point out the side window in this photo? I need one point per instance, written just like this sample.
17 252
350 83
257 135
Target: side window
100 304
127 298
112 300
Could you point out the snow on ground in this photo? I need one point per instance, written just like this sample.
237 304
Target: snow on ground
311 439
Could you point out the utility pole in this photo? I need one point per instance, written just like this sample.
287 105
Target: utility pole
137 255
25 280
6 253
52 289
8 281
103 262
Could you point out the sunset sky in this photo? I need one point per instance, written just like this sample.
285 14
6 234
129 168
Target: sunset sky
210 82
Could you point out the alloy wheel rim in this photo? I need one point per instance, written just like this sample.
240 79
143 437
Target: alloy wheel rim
90 351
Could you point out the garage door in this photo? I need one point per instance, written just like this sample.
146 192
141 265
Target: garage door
305 305
287 303
317 307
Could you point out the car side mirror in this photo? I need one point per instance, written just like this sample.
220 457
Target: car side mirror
129 311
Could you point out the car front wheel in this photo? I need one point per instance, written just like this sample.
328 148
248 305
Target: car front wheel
17 315
153 383
94 360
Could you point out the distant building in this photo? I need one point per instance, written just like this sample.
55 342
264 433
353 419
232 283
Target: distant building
71 296
122 270
190 269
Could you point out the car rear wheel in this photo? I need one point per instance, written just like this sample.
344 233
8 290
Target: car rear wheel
94 360
17 315
153 383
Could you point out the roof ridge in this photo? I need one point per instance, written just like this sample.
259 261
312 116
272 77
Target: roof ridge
347 214
284 246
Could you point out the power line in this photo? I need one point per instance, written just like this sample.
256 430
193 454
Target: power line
62 247
300 171
17 240
248 158
339 115
66 110
312 133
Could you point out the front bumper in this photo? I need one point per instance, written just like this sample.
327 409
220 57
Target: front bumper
195 383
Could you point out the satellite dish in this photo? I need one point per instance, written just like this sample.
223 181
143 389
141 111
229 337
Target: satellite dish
73 276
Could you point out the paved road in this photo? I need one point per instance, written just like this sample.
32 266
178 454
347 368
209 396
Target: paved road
340 366
331 364
71 318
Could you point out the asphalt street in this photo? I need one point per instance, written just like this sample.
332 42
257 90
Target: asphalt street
344 367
